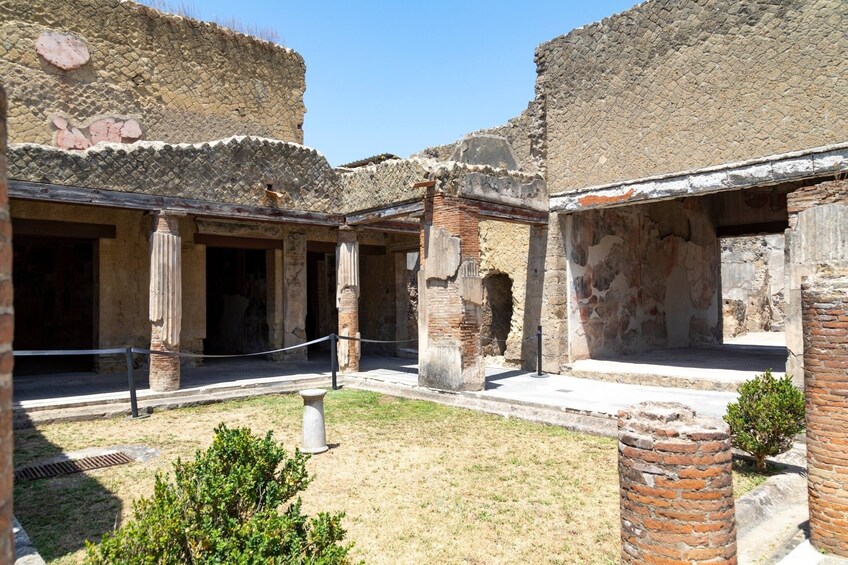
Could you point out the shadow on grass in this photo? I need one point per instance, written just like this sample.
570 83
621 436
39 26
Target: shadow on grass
59 513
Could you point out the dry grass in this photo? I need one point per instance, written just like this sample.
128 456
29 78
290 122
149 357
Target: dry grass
420 482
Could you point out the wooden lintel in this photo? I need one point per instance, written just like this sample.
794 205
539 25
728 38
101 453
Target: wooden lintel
385 213
51 228
424 184
514 214
330 248
136 201
398 227
213 240
752 229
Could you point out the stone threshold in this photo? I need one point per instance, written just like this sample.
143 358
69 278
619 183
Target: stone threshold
652 379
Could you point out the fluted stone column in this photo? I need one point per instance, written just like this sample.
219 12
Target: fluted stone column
165 300
347 298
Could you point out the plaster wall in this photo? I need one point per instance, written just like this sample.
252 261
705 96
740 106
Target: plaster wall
178 79
752 282
641 278
675 85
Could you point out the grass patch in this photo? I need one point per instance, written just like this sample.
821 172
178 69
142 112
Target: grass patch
746 477
420 482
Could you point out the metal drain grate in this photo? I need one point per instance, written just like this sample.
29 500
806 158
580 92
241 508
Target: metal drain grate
73 466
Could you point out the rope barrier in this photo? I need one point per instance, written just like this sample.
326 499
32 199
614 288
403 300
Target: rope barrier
364 340
53 352
228 356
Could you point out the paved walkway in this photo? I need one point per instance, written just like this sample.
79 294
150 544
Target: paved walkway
509 385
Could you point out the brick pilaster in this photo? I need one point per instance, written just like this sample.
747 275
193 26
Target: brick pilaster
824 304
676 484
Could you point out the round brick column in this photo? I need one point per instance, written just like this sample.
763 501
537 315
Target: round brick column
824 304
676 486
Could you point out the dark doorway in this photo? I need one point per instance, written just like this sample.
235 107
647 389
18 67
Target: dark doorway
497 313
55 284
236 301
321 313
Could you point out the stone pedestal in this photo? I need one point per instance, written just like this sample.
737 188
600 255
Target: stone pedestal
347 298
314 431
165 300
450 296
824 302
675 476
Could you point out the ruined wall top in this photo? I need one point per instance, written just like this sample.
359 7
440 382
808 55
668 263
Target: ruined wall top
676 85
113 70
247 170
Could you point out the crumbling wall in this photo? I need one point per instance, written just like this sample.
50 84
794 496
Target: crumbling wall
641 278
676 85
247 170
752 283
523 133
503 249
89 70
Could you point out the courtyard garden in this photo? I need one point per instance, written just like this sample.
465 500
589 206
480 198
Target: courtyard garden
418 482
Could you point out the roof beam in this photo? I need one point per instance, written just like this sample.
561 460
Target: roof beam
385 213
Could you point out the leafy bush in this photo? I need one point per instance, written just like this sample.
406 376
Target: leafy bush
224 507
769 414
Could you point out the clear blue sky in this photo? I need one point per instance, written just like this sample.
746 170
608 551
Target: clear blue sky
396 77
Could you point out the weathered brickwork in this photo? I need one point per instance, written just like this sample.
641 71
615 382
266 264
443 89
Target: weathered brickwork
673 86
452 309
7 543
675 476
829 192
230 84
825 317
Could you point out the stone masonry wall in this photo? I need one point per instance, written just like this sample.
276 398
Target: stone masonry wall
752 283
89 70
825 317
675 85
641 277
7 543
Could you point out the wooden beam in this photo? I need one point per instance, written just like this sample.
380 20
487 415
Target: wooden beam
513 214
384 213
212 240
397 227
752 229
138 201
330 247
51 228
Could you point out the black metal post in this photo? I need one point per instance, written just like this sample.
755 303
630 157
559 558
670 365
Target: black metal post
333 339
131 379
539 351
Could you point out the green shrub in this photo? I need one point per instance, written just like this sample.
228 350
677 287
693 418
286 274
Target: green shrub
769 414
226 506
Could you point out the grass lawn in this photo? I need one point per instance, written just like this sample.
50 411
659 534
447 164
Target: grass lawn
420 482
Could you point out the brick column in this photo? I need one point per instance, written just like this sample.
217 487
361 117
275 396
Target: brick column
450 359
676 484
294 289
165 300
7 542
824 304
347 298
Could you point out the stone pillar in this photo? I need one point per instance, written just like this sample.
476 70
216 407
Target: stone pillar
274 308
824 302
819 235
294 289
165 300
537 246
451 296
675 477
401 302
347 298
7 541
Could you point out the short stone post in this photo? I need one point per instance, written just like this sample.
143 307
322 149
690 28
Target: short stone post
676 486
314 432
824 303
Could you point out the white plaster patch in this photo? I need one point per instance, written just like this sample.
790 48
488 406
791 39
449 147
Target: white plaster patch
443 255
